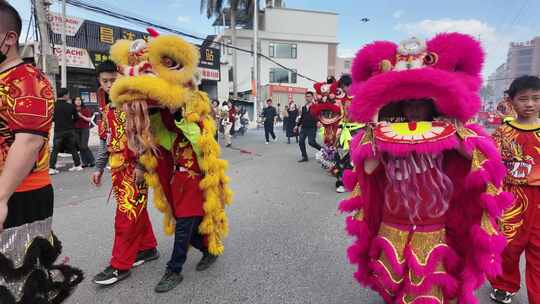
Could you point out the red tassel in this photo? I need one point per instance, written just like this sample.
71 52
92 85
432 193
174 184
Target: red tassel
153 33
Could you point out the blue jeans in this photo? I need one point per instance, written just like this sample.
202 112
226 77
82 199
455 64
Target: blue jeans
187 232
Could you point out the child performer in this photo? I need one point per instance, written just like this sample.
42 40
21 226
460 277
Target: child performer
519 144
134 241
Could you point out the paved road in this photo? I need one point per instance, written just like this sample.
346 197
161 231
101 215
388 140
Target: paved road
286 243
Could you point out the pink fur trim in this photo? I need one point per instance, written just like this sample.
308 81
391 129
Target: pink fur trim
379 288
368 59
449 90
351 204
379 246
430 147
355 227
360 153
445 281
495 205
358 251
453 81
384 277
488 251
439 255
466 294
349 179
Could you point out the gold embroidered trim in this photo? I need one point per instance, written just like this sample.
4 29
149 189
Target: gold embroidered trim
478 159
487 226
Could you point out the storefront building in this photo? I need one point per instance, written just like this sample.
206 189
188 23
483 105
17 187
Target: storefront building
88 44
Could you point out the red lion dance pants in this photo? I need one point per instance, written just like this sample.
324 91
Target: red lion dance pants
132 227
521 225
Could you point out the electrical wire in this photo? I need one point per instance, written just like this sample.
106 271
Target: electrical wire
145 22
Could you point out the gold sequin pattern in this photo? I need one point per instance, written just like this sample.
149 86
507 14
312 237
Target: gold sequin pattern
424 243
396 238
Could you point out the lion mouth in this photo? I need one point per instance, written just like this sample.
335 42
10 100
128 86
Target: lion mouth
394 111
520 169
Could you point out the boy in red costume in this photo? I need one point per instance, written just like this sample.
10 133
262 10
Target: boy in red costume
134 242
519 142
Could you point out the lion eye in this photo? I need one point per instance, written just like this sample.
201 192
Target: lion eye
431 59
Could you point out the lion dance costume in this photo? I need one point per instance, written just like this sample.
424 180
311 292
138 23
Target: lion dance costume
28 246
424 218
329 114
169 127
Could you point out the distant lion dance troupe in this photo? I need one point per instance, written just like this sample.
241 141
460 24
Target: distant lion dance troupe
429 192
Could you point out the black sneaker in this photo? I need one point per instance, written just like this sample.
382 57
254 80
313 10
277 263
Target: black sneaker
169 281
146 256
111 276
501 296
303 160
206 261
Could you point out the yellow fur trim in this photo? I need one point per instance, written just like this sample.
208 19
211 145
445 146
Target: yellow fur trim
127 89
177 49
120 51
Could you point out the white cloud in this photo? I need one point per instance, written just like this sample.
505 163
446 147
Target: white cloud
176 4
494 42
397 14
183 19
346 52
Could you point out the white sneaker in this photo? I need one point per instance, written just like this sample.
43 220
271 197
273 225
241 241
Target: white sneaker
75 168
340 189
266 143
275 139
53 171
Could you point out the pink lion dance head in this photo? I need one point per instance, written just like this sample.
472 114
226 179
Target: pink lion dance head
445 69
443 72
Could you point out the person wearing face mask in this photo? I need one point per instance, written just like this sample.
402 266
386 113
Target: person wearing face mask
28 246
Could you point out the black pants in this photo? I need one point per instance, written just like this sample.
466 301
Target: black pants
187 232
342 164
30 206
269 130
310 134
83 135
66 140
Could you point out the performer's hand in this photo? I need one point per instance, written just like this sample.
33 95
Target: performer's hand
319 124
3 214
139 176
96 178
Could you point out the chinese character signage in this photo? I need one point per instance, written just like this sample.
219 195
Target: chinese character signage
106 35
209 58
97 57
209 74
128 35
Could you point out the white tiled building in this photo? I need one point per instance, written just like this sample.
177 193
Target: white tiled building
304 41
343 66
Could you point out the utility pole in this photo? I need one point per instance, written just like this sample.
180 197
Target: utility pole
63 76
42 14
255 58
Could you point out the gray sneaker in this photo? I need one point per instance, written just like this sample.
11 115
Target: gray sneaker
169 281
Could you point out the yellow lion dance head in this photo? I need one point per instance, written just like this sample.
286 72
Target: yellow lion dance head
161 73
